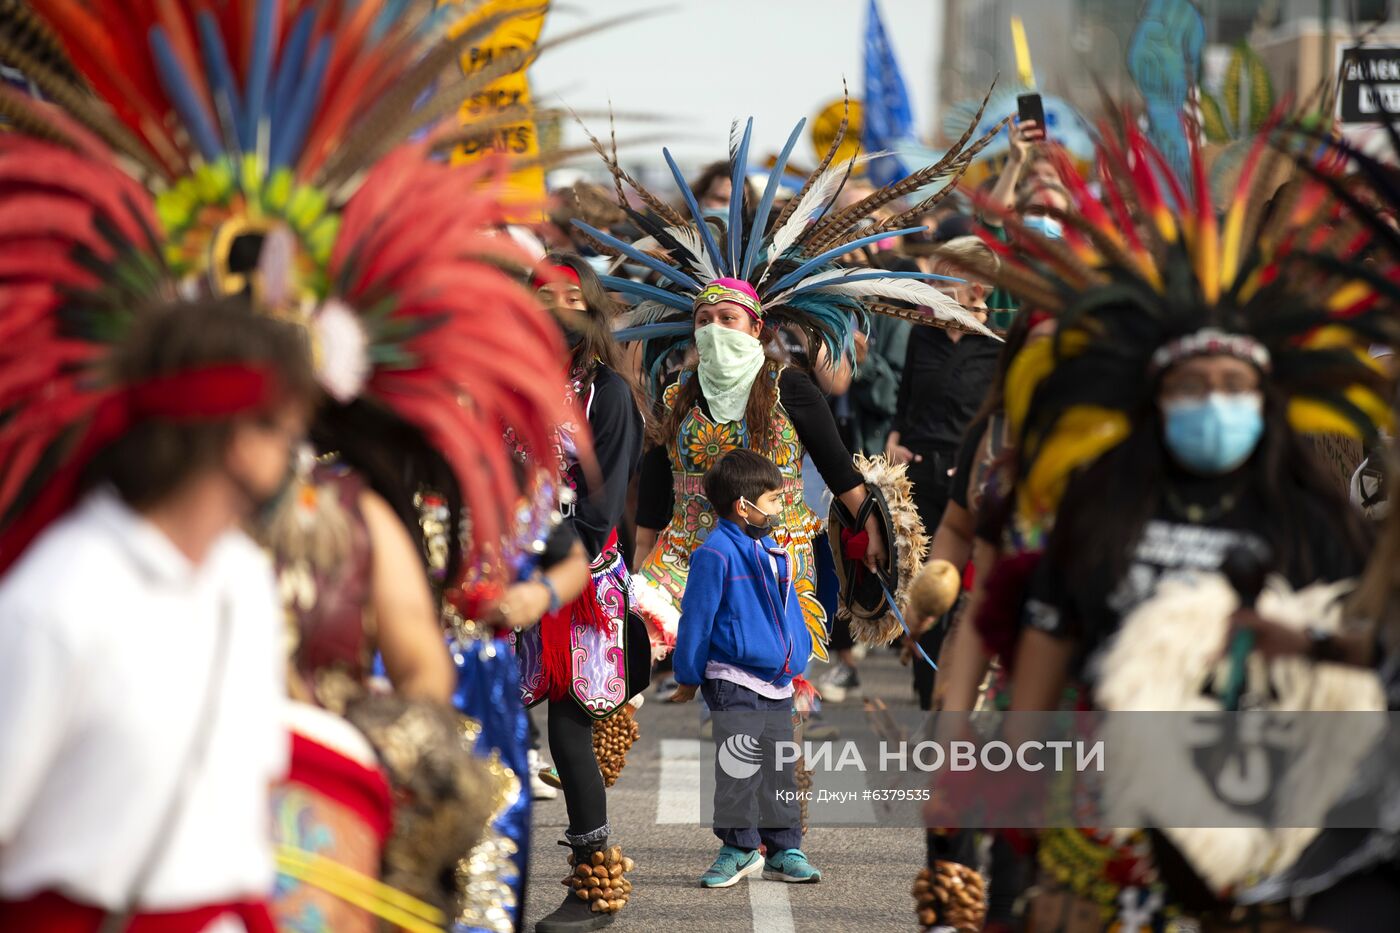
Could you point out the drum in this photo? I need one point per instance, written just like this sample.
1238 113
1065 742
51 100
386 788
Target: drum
333 812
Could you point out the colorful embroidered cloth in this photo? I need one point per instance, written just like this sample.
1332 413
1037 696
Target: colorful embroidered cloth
700 442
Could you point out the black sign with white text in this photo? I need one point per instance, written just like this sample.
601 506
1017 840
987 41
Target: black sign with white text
1370 85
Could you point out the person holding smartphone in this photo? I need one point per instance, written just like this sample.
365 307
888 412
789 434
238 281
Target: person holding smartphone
1029 183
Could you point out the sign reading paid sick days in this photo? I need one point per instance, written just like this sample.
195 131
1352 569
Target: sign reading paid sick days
1370 85
517 140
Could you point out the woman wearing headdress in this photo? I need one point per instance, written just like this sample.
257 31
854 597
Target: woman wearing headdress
727 284
1163 429
589 657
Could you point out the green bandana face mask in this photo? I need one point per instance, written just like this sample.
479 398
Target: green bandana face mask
730 360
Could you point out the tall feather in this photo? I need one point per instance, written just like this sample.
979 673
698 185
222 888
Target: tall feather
699 217
953 162
18 111
738 172
24 32
291 63
916 293
650 293
699 260
819 190
222 83
657 205
84 107
266 19
830 255
301 108
844 274
660 268
179 86
827 159
765 204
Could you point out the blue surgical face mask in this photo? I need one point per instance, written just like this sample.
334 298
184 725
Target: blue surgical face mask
1216 434
1045 225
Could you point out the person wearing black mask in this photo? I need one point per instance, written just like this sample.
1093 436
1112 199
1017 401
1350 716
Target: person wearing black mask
615 643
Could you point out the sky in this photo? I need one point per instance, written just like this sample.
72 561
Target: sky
702 63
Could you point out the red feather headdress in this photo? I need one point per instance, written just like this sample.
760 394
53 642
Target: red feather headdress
179 126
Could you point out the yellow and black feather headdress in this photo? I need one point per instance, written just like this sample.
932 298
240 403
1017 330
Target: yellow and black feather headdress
1302 281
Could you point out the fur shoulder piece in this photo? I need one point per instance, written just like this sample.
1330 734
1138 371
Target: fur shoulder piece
863 602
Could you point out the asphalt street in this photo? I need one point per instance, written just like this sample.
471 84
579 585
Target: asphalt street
654 810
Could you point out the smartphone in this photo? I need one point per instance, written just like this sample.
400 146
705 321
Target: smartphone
1031 107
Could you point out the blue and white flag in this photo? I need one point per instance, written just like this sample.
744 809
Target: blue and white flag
887 119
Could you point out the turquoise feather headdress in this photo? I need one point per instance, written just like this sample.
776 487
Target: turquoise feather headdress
793 263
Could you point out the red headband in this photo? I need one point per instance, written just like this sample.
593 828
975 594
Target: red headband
551 275
208 394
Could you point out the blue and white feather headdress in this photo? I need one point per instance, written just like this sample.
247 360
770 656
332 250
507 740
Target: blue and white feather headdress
794 263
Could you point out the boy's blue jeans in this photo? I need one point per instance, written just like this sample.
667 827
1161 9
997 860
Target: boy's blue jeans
752 807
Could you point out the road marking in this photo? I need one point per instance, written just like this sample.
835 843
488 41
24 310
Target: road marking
678 798
772 911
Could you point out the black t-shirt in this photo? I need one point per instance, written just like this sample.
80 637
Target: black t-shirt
1173 546
943 384
811 418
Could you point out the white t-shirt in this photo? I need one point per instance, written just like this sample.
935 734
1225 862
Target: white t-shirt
107 636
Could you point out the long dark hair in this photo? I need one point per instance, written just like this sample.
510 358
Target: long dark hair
397 461
1106 507
598 345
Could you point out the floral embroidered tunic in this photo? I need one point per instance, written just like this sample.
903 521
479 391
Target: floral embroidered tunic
672 495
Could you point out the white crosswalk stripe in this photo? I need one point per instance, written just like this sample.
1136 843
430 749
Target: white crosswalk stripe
678 798
772 911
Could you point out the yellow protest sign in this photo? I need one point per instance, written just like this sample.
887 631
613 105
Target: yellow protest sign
1025 72
519 139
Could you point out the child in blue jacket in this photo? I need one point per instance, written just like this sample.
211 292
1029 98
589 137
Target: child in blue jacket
741 641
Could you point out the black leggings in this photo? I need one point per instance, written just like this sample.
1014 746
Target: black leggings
571 745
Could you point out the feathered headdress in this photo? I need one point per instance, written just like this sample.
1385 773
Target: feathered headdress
250 146
786 272
1301 283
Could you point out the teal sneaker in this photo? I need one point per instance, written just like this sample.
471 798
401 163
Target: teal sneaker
730 867
791 865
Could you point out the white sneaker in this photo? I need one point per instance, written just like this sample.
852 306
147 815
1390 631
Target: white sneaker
838 682
539 790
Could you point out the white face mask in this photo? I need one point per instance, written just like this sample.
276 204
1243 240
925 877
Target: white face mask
730 360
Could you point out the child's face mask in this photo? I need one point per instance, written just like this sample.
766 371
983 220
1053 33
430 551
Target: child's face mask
770 523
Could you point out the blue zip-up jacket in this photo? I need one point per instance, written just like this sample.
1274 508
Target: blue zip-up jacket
735 612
